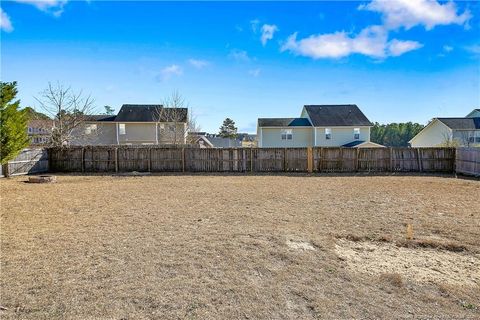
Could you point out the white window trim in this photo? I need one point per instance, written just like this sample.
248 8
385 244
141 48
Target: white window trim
120 126
328 133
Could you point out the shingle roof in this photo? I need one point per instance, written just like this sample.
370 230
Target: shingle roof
150 113
461 123
284 122
336 115
100 117
219 142
353 144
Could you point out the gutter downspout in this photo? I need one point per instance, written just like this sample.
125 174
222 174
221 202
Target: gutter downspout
116 130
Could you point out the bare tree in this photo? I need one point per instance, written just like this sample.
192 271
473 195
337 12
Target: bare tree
69 111
449 141
174 119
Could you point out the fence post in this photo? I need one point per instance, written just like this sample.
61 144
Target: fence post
251 159
310 159
116 159
83 159
149 159
391 159
357 162
285 159
183 159
419 160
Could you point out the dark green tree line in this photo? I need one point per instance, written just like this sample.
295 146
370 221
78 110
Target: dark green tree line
394 134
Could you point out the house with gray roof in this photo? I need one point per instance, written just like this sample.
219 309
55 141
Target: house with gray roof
318 125
136 125
457 131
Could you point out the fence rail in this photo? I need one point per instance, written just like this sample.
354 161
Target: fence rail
468 161
331 159
28 161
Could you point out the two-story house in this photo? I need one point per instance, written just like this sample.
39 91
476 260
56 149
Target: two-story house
136 125
461 131
318 125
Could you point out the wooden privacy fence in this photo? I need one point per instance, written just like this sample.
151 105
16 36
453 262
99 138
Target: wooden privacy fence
161 159
28 161
468 161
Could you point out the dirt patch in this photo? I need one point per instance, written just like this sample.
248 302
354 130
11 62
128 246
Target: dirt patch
300 245
417 264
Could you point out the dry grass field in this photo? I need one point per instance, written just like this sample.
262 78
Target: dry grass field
240 247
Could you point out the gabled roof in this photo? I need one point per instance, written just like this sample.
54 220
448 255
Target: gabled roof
150 113
473 113
461 123
284 122
359 143
342 115
100 117
219 142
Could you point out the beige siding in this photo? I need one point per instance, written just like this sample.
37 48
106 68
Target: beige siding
435 134
104 134
272 137
170 133
340 136
138 133
465 137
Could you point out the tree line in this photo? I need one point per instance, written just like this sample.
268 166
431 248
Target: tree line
394 134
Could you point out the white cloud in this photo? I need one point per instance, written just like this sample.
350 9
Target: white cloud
239 55
254 72
5 23
371 41
170 71
447 48
199 64
397 47
475 49
267 32
55 7
409 13
254 24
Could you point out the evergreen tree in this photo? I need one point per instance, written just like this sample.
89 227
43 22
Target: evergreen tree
394 134
13 123
109 110
228 129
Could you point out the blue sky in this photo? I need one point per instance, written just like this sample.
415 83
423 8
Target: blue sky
401 60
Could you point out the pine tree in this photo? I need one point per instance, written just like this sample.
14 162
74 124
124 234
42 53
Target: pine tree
228 129
13 123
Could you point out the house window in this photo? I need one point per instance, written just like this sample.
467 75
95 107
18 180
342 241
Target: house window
356 133
477 136
121 128
328 133
29 130
91 128
287 134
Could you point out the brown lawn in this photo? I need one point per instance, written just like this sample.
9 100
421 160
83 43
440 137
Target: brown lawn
240 247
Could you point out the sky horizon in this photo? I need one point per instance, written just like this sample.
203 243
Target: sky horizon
399 61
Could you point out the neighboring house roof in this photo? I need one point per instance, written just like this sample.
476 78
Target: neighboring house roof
461 123
100 117
205 140
219 142
44 124
150 113
473 113
284 122
362 143
344 115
